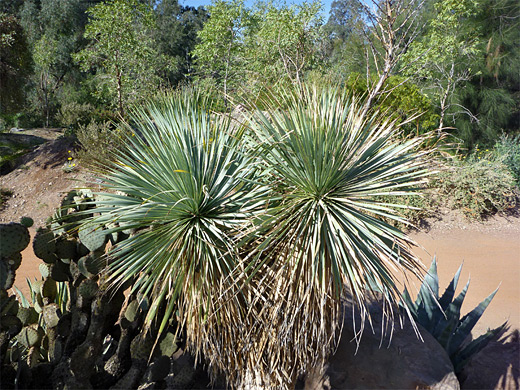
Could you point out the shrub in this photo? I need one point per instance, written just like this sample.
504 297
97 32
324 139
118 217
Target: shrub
98 142
477 185
412 208
73 114
507 150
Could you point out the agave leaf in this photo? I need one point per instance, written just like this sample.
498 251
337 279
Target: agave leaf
444 303
449 293
23 300
467 323
462 356
407 300
428 306
447 326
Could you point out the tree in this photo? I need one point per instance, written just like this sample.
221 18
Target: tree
121 50
442 57
492 95
283 42
15 64
54 30
176 36
220 53
346 42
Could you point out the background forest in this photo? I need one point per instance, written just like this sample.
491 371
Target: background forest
70 63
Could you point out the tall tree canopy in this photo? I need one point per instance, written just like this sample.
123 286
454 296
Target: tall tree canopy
121 50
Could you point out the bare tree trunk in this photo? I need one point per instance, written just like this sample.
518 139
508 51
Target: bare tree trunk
392 26
119 92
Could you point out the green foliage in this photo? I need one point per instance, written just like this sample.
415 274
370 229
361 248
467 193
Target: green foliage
243 49
122 50
5 194
507 150
283 42
493 96
15 65
73 115
54 29
98 142
440 316
477 185
220 53
345 50
176 38
405 103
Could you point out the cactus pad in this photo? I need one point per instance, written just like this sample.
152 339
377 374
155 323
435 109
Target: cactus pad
141 346
27 315
14 261
60 272
7 276
89 265
93 237
51 315
168 345
88 289
29 336
45 270
12 324
44 245
159 368
49 289
66 249
14 238
26 221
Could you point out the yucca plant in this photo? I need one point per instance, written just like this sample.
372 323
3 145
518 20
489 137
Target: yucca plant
250 235
185 186
440 316
322 236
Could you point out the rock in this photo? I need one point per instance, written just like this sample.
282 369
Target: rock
405 363
497 366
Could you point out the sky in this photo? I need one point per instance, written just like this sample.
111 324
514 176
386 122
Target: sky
195 3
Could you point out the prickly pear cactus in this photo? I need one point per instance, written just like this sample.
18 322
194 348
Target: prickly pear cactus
93 237
70 310
27 222
14 238
44 245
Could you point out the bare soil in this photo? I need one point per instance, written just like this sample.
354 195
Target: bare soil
40 181
490 249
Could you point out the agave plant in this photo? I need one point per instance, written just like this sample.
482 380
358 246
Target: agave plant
440 316
321 235
250 235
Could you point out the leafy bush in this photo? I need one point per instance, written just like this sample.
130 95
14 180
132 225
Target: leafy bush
98 142
507 150
412 208
477 186
441 317
73 114
5 194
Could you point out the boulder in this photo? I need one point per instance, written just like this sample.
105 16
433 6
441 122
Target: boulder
399 361
497 366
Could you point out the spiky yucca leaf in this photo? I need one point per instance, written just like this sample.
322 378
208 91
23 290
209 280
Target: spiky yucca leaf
324 163
185 183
